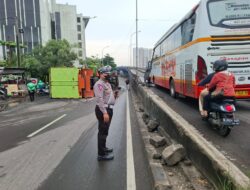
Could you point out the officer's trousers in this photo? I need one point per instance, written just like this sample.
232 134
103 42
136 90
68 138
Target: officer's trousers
103 129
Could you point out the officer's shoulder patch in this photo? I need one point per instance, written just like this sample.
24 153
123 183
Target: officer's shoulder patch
100 87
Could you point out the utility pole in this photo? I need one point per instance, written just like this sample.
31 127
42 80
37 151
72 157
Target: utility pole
136 57
102 54
17 42
130 47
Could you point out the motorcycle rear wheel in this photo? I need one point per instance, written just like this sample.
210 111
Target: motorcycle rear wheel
224 131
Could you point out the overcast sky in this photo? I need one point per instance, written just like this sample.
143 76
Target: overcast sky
115 22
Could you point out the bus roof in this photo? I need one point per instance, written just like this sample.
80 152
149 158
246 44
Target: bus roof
176 25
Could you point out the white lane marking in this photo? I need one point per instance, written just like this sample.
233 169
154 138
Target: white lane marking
46 126
131 184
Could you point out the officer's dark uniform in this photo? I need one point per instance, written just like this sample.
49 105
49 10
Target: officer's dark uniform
105 102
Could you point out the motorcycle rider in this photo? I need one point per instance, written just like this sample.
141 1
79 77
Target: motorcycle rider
204 92
31 90
222 80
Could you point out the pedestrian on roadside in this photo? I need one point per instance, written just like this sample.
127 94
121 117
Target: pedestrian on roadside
127 83
105 101
31 90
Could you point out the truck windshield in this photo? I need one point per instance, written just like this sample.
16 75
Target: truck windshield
229 13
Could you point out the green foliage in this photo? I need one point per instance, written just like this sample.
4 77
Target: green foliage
32 65
107 60
56 53
2 63
11 60
93 63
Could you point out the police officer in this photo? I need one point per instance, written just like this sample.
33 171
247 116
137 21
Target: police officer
105 101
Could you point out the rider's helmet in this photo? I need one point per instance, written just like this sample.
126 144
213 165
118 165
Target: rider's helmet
220 65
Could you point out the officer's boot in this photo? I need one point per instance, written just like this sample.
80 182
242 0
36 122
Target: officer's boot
102 155
106 149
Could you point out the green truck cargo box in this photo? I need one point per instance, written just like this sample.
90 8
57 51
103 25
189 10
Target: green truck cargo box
64 83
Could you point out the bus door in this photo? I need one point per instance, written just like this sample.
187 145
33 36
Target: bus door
182 79
188 75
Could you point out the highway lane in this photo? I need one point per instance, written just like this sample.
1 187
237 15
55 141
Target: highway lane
63 156
80 170
235 146
17 123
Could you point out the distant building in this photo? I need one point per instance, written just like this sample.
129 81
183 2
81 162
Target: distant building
144 56
32 16
82 22
40 21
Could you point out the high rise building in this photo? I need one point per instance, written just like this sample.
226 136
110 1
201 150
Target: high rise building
144 56
29 19
38 21
82 22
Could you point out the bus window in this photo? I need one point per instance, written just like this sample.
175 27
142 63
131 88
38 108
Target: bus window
187 29
157 52
229 13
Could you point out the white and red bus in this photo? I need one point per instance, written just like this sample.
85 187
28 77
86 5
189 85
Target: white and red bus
214 29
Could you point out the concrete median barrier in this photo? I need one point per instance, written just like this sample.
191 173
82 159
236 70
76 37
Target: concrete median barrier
211 162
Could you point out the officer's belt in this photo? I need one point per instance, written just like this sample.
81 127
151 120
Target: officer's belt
109 106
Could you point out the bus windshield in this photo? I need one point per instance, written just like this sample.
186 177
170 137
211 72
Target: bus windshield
229 13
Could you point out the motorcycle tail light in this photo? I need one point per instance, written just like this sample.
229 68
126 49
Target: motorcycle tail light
229 108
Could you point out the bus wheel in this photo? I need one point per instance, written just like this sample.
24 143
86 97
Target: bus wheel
172 89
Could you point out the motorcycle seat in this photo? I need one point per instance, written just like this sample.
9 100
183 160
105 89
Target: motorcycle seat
214 106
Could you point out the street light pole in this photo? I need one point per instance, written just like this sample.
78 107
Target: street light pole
136 38
17 42
102 54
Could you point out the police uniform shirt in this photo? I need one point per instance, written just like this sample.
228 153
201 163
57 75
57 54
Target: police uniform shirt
104 95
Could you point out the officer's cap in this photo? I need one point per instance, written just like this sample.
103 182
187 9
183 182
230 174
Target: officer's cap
105 69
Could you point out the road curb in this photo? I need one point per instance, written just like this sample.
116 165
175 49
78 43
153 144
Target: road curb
213 164
160 178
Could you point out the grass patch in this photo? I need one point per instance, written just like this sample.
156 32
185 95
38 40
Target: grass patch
248 173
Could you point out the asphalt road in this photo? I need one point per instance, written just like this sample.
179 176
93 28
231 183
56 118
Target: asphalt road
63 156
235 146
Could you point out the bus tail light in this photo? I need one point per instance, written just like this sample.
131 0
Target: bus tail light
201 72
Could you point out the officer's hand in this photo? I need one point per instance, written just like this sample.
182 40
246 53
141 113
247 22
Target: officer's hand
106 117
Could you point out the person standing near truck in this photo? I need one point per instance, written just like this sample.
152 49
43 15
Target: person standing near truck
105 100
31 90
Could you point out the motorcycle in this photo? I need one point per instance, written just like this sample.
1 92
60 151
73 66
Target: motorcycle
3 93
3 99
43 91
221 115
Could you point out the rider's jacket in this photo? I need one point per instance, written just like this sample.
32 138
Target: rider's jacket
223 80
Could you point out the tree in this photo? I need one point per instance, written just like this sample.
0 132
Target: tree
56 53
93 63
108 60
32 65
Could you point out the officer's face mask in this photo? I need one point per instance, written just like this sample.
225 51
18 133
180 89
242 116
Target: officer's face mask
107 78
